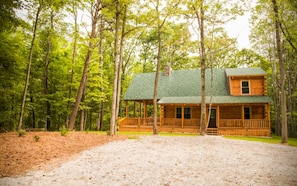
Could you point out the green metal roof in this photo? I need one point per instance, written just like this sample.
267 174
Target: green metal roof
245 71
180 83
215 99
184 86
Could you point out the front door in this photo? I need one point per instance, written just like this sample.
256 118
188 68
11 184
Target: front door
213 119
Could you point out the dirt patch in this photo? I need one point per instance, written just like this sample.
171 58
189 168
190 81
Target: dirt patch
19 154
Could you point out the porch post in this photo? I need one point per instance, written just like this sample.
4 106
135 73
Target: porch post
242 115
268 115
183 112
161 115
140 109
127 109
218 115
134 113
144 112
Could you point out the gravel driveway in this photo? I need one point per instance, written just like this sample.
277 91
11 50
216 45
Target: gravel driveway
161 160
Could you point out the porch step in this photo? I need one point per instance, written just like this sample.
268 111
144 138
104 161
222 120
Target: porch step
212 131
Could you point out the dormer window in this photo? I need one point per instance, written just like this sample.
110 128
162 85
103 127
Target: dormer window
245 87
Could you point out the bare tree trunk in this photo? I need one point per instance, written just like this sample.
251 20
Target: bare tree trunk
155 104
101 63
113 118
73 60
45 80
282 74
202 65
120 64
95 16
29 67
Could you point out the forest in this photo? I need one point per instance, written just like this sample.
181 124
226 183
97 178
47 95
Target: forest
69 62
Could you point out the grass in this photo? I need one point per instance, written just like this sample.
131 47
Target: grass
273 139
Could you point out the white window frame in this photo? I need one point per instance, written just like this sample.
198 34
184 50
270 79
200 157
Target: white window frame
241 87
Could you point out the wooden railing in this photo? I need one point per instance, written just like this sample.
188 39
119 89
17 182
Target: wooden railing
177 122
248 123
231 123
256 123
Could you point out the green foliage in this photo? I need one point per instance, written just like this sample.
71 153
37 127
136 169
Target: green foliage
63 130
273 139
36 138
21 132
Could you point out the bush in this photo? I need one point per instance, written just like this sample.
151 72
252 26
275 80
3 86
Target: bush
63 130
21 132
36 138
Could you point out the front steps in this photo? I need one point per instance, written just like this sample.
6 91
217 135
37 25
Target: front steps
212 131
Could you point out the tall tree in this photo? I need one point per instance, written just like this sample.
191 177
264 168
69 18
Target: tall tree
95 13
282 73
29 64
113 118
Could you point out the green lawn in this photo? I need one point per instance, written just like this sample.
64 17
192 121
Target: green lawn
273 139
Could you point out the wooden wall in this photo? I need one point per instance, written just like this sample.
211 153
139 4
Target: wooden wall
230 112
257 85
170 111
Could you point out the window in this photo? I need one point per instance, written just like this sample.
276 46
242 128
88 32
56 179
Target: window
247 113
187 113
178 112
245 88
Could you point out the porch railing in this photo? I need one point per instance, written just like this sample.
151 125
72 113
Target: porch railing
248 123
177 122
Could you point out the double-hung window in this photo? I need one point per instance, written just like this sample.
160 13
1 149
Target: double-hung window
245 87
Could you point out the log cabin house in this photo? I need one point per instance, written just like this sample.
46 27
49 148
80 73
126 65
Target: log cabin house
237 102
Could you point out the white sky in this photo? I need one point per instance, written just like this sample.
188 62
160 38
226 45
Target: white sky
240 29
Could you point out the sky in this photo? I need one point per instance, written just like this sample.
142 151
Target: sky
240 29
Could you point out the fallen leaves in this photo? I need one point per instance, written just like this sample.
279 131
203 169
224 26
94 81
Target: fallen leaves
19 154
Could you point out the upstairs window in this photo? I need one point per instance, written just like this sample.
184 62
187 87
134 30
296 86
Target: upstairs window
245 87
247 113
187 113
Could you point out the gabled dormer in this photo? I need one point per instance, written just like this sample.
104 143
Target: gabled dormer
247 81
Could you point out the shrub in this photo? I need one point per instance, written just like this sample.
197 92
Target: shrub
63 130
36 138
21 132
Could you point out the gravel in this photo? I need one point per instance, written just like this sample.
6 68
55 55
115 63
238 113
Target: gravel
162 160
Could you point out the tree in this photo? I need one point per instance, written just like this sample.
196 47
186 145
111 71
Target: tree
29 64
95 12
282 74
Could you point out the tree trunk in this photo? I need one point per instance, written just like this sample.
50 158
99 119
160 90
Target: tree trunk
120 64
95 14
282 74
29 67
113 118
202 65
101 63
45 80
73 61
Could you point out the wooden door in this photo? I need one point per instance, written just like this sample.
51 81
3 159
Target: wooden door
213 119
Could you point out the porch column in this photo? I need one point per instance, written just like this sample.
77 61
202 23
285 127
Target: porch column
134 113
218 116
161 115
127 109
183 116
242 115
144 112
268 114
140 109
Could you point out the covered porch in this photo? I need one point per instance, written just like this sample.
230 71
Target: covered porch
226 119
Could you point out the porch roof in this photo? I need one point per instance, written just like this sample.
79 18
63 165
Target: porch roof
215 99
